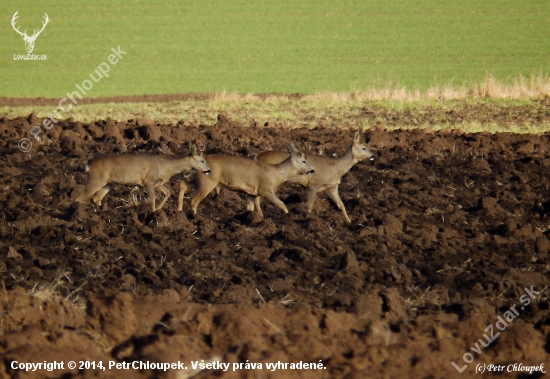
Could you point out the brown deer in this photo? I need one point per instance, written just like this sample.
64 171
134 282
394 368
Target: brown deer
149 171
254 178
328 171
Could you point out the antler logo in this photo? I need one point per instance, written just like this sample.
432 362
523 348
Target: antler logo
29 40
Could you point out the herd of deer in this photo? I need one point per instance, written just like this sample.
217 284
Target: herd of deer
256 178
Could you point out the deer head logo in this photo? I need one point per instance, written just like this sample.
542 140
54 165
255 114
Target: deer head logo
29 40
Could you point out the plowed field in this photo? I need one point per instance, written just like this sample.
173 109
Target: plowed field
448 230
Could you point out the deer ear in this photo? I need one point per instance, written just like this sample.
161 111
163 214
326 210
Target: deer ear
357 137
291 148
193 149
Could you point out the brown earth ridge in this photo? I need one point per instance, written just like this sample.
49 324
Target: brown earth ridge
448 229
537 113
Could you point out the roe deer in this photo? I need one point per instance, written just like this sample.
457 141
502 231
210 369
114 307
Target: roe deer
245 175
328 171
149 171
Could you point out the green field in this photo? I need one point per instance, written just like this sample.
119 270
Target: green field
272 46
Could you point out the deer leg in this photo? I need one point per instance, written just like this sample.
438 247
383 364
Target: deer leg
249 203
253 202
311 196
275 200
150 188
184 186
333 194
101 194
257 204
205 186
89 190
166 193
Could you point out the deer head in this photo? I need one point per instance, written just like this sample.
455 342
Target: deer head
29 40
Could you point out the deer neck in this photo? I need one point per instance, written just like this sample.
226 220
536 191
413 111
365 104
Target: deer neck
344 163
284 170
175 166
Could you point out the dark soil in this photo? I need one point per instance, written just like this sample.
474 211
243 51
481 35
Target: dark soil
447 230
